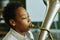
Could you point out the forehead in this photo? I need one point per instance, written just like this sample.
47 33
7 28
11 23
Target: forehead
21 11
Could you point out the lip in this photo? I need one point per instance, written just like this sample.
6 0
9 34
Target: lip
30 24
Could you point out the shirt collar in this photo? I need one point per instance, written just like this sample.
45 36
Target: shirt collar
17 35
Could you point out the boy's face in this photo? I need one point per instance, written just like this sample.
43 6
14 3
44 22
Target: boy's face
22 20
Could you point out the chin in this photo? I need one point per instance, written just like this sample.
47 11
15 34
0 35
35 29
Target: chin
27 29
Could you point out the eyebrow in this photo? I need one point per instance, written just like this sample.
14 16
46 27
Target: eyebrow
24 15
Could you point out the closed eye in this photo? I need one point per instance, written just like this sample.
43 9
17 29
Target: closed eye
24 18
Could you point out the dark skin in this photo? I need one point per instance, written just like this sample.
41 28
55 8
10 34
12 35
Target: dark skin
22 22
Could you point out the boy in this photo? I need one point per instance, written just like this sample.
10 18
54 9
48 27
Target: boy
18 19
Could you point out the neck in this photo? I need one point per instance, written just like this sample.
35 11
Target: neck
22 33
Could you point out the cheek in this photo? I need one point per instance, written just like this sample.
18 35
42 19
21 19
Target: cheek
23 28
25 23
22 25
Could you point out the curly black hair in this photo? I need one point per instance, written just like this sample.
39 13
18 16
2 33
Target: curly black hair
9 11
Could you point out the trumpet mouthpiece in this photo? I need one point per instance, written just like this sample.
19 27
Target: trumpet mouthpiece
32 25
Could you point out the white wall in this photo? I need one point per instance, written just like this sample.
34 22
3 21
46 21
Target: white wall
36 10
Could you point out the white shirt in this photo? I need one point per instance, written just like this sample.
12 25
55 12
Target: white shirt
13 35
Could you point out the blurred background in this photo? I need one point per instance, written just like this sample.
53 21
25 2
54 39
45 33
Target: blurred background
36 10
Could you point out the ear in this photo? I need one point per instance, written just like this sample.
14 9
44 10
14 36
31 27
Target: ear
12 22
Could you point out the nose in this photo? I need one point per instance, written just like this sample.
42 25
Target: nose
29 20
